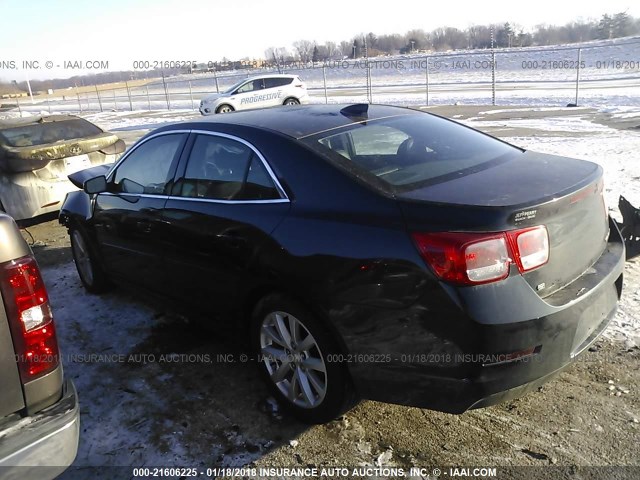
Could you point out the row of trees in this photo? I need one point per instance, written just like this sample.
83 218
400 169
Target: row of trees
449 38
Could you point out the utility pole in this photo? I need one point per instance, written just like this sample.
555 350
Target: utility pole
493 68
366 57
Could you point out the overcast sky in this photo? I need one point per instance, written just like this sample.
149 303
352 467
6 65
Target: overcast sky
121 31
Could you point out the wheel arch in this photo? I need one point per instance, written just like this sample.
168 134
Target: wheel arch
253 298
225 103
76 208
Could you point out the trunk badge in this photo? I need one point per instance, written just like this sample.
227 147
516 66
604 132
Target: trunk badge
525 215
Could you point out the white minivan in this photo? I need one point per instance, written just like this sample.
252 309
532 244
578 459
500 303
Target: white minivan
257 92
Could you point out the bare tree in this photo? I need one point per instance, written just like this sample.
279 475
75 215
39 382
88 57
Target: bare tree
346 48
479 36
304 49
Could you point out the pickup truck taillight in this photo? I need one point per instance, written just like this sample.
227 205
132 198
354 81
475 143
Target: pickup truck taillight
31 321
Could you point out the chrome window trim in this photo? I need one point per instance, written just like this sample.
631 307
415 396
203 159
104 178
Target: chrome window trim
138 145
140 195
283 196
265 164
229 202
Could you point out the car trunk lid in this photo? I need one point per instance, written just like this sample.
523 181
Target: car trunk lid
28 158
29 144
529 189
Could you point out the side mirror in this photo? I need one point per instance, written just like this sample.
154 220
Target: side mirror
95 185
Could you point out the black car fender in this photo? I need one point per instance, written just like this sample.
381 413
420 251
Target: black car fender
76 206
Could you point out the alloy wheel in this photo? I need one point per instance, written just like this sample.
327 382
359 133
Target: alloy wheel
293 359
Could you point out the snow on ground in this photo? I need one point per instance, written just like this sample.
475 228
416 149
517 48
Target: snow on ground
118 121
625 112
149 384
101 334
570 125
529 110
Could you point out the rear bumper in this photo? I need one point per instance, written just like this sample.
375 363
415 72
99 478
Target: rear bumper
457 359
25 196
43 445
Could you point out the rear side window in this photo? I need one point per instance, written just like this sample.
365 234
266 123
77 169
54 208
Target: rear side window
402 153
221 168
277 82
259 185
48 132
149 168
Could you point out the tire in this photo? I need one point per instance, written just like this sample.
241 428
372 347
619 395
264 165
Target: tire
291 101
89 270
225 108
299 373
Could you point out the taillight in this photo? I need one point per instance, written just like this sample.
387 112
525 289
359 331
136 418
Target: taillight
27 307
487 260
477 258
530 247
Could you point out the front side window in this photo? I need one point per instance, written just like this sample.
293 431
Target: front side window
220 168
149 168
251 86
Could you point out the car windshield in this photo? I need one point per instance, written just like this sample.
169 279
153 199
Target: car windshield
48 132
405 152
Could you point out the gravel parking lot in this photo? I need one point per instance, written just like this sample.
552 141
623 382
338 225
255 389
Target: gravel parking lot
156 390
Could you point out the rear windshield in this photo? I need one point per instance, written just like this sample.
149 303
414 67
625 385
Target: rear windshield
401 153
48 132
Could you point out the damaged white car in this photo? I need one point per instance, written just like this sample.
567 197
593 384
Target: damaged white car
37 154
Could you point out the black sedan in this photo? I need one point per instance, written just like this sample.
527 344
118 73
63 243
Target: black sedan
371 251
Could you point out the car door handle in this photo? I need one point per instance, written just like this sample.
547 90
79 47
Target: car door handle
232 240
143 226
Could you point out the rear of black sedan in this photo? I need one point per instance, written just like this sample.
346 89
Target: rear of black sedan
400 255
523 264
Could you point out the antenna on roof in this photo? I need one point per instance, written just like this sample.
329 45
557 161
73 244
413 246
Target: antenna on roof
357 111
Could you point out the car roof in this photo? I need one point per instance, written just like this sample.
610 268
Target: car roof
272 75
300 121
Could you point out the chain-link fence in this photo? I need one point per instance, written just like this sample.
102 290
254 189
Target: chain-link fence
599 73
